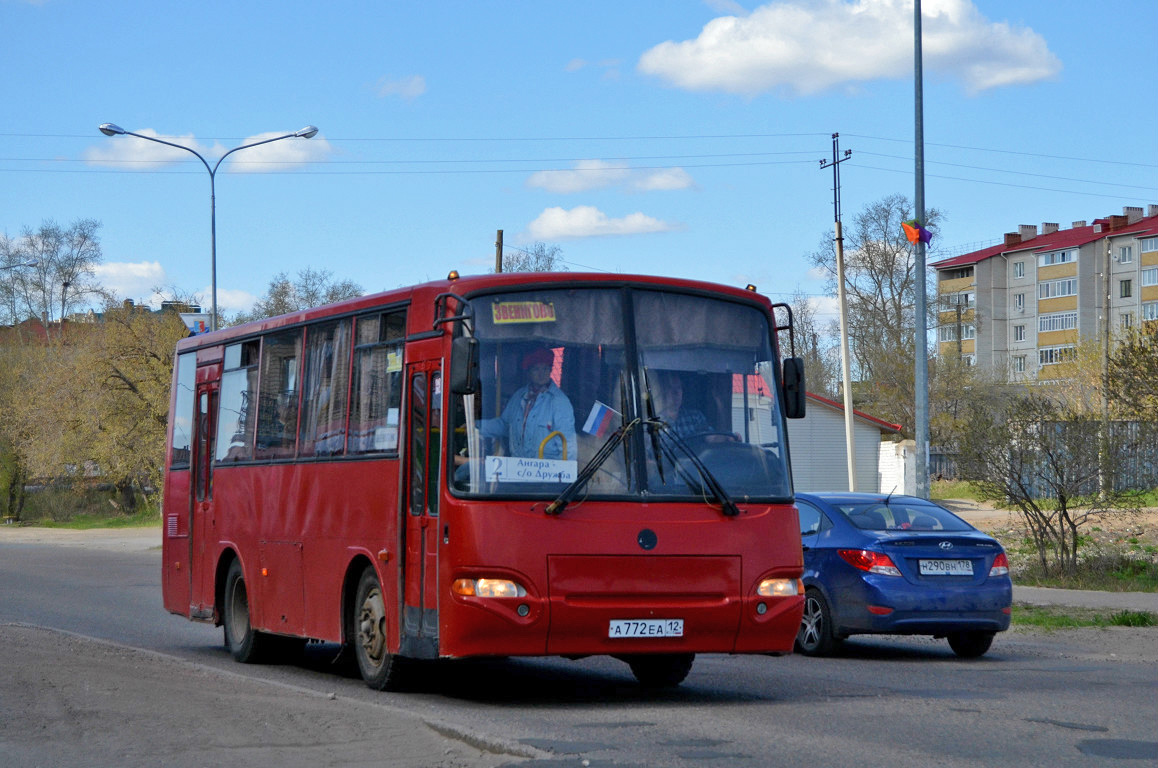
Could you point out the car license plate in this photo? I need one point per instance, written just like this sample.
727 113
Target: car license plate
957 567
646 628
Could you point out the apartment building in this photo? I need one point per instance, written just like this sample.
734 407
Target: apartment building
1022 305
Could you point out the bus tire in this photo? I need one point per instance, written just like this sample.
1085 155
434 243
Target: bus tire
380 669
664 670
245 643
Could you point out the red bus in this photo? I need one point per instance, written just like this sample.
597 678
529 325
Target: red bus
512 464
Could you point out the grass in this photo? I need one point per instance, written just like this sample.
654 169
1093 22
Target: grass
1069 617
88 522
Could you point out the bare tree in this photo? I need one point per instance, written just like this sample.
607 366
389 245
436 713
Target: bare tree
880 283
312 288
64 275
1025 447
821 365
539 257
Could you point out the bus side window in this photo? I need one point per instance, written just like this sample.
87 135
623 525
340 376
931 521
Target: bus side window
377 383
277 417
327 378
237 407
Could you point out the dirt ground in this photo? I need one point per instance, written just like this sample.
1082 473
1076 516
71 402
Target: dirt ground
1119 529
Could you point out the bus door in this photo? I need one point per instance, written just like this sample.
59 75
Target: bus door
201 522
421 526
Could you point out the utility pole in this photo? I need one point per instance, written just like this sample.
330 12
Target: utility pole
845 367
1104 483
499 252
921 345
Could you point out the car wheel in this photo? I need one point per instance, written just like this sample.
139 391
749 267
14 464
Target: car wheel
380 669
661 671
970 645
815 637
245 643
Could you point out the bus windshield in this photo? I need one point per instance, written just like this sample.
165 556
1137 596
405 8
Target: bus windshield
687 381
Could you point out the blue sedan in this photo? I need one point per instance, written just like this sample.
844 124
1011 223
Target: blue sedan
876 564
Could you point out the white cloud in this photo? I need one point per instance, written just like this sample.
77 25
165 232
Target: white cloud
132 153
806 46
408 88
599 174
140 154
663 179
588 221
131 280
229 302
277 155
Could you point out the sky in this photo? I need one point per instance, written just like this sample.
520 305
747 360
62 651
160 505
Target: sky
667 137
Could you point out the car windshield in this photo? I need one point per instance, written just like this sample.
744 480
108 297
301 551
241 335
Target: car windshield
561 370
901 515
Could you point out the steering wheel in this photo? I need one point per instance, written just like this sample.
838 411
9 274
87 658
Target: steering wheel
701 440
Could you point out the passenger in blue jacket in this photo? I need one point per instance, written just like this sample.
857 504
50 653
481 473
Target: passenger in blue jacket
534 412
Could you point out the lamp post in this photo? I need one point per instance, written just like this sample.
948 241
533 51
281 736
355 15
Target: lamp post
19 266
110 129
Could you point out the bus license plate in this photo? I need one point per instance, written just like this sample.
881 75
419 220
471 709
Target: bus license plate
946 567
646 628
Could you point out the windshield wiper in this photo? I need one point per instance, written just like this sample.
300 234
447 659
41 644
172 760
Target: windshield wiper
590 468
665 431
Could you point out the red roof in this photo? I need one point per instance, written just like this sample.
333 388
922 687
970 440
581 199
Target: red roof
858 414
1063 238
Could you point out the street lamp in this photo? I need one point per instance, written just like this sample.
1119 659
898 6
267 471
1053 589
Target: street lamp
18 266
110 129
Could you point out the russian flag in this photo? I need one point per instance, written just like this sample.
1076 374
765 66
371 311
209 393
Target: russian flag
599 420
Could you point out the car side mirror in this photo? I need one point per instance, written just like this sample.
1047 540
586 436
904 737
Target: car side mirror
794 392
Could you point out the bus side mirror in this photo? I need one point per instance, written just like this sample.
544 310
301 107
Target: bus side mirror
464 376
794 392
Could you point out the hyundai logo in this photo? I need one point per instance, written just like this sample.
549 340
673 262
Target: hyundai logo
946 545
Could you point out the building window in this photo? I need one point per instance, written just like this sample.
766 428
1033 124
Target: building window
1126 254
1019 302
1126 320
1019 269
1057 257
1149 244
969 360
957 274
1056 288
1126 289
1150 276
949 332
1150 311
1057 321
1018 364
1019 333
1054 355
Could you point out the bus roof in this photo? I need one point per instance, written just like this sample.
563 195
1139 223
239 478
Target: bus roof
423 296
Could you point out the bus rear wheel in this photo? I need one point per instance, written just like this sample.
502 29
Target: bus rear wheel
664 670
245 643
380 669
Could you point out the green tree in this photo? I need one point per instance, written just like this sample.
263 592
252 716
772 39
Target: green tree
311 288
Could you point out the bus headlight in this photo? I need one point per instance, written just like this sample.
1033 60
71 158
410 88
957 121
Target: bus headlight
779 588
488 588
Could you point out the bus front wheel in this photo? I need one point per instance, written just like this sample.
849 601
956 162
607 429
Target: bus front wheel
245 643
382 670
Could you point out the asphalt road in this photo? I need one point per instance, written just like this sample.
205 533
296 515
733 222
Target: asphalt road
96 673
